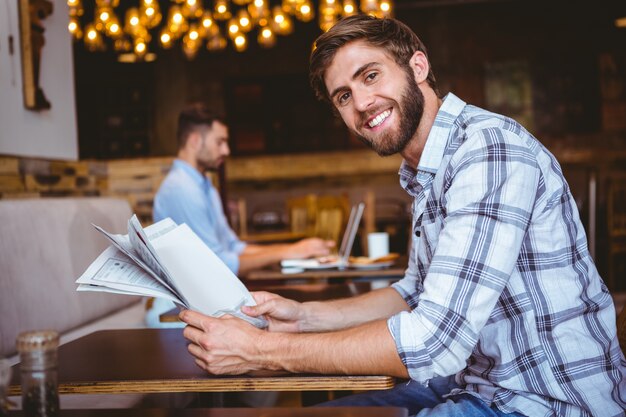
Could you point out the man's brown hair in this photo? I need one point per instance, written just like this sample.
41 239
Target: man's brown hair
398 40
195 117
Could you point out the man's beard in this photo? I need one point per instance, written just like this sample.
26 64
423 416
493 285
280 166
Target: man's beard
410 110
209 166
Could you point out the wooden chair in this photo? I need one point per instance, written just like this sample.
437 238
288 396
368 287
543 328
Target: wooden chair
332 214
323 216
302 213
242 215
391 215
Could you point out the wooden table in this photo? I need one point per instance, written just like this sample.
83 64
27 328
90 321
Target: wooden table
283 236
395 271
156 360
236 412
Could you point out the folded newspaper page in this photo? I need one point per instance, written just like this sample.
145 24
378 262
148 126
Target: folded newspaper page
169 261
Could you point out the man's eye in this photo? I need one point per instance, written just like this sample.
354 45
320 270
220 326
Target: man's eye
371 76
343 98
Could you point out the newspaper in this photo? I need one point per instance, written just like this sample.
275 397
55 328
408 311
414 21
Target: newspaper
169 261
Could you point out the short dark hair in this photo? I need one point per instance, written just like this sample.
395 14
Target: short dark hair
195 117
396 37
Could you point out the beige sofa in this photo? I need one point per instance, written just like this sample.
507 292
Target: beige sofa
45 245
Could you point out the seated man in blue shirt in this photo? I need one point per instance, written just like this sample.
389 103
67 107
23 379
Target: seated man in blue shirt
187 196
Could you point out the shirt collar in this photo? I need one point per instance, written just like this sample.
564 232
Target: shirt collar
196 176
437 140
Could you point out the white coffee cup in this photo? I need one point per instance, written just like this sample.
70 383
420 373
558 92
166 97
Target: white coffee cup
377 244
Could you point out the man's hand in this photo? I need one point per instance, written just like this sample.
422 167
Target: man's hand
308 248
223 346
231 346
283 315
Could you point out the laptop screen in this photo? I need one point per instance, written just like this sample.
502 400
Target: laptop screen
350 233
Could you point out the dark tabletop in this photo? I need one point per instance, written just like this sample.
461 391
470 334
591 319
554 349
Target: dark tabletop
157 360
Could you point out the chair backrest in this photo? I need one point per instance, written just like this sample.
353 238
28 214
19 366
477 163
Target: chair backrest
46 244
332 216
323 216
302 213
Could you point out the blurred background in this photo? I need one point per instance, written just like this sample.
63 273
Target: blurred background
558 67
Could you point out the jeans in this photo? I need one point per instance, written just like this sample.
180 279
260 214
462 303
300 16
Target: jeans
424 401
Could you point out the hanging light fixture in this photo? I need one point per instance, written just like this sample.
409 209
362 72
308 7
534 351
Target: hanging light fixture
198 24
266 37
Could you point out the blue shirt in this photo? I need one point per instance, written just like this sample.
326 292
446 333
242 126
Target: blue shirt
502 289
187 196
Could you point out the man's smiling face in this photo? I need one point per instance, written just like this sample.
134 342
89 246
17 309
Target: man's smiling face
377 99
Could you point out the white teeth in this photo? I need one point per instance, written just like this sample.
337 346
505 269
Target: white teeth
379 119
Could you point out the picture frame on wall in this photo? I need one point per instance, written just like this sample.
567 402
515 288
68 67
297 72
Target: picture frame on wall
31 14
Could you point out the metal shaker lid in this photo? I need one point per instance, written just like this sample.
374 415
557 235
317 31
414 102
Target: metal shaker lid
37 340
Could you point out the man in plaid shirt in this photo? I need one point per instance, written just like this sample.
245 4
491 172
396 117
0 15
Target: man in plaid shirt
501 311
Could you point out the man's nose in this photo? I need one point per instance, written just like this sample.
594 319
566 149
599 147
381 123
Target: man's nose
226 150
363 99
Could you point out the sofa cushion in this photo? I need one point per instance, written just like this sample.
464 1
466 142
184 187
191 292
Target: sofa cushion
46 244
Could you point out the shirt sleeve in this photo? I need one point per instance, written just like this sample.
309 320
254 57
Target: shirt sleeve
228 236
410 287
477 231
184 205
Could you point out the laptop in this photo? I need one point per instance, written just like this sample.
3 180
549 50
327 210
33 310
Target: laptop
347 241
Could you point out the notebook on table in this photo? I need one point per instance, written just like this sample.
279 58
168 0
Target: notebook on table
333 261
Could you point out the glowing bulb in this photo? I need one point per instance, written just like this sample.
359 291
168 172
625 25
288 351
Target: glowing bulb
305 9
177 18
266 38
150 11
233 28
258 3
140 47
165 38
221 8
104 16
92 34
72 26
240 40
279 18
134 20
384 6
191 3
244 21
193 35
348 8
114 28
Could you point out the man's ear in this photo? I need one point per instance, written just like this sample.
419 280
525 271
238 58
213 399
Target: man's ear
421 67
194 141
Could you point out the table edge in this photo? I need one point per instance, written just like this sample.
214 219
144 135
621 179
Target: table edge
322 383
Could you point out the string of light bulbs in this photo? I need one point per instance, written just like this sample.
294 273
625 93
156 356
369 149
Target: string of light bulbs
209 24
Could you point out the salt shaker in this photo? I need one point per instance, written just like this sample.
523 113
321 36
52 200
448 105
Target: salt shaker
38 368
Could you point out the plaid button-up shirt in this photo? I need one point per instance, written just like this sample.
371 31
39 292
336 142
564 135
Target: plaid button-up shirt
502 288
